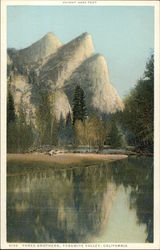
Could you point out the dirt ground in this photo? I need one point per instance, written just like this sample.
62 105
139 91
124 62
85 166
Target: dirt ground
65 158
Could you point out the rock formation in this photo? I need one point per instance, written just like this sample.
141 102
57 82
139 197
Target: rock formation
61 65
46 46
93 77
49 66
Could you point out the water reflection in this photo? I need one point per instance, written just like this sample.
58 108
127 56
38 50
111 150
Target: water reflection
81 204
138 174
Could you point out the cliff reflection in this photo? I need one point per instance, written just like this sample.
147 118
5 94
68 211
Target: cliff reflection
137 173
73 205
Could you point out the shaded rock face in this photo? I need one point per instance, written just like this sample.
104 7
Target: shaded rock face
60 106
93 77
61 65
22 94
49 66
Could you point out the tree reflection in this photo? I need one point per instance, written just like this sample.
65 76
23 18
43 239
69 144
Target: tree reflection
137 172
72 204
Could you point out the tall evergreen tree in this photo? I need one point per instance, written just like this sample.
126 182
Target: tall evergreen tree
83 111
11 124
11 117
76 104
137 117
79 106
149 70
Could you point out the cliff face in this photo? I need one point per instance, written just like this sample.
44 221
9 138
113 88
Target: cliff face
61 65
46 46
22 94
93 77
60 104
49 66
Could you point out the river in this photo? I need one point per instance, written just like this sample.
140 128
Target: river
102 202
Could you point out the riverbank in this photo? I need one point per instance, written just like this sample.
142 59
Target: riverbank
22 164
65 158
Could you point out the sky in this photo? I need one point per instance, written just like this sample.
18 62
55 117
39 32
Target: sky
124 35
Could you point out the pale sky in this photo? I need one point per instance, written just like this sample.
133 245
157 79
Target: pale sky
123 35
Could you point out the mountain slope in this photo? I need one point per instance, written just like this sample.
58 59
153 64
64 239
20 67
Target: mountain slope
22 94
60 66
60 106
46 46
93 77
49 66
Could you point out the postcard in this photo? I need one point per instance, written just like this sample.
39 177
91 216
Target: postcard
80 119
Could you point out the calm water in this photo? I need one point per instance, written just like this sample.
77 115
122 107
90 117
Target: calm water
105 202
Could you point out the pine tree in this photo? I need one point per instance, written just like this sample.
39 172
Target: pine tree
11 124
149 71
137 117
79 106
83 111
11 117
76 104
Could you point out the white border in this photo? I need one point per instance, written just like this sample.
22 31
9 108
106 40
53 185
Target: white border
156 244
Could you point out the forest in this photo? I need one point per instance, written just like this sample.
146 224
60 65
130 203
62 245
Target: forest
131 127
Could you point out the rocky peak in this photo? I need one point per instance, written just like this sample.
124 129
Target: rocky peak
44 47
60 66
58 69
93 77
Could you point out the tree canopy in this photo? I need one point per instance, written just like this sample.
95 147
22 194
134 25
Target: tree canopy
137 116
11 116
79 105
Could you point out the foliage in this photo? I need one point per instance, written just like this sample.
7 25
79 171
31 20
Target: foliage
136 120
61 130
12 131
11 116
137 117
115 137
69 129
149 71
24 132
43 120
11 123
79 106
19 133
46 123
65 131
54 129
79 133
92 132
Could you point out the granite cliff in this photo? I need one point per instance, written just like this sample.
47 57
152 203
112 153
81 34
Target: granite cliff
49 66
